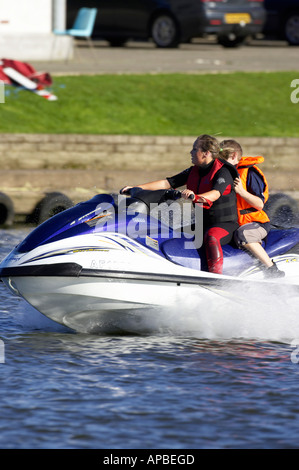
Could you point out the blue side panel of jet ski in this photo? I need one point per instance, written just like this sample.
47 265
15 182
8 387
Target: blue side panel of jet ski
175 251
235 260
281 241
64 221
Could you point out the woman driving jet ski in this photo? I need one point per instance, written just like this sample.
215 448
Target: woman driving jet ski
210 182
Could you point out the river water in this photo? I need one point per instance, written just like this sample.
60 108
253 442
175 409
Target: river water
227 381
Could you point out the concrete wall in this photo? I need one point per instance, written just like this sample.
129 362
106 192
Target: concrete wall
26 30
30 16
83 165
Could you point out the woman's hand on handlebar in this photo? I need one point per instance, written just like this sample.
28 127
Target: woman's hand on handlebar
125 189
187 194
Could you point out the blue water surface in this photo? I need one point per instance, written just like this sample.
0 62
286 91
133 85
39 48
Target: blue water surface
176 389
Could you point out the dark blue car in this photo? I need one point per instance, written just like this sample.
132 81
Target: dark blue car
283 20
171 22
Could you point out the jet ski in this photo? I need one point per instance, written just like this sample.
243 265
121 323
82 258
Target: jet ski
106 263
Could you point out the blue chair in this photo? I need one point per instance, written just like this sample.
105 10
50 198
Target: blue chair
83 25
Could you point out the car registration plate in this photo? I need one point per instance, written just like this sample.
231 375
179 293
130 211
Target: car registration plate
237 18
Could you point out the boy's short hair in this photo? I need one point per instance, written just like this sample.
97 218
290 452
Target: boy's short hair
228 146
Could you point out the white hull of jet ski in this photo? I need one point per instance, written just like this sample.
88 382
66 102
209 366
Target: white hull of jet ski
102 283
107 283
88 305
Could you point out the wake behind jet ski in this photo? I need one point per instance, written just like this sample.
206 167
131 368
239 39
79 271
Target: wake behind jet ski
107 262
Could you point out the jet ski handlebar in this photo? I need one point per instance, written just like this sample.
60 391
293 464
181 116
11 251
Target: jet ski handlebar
159 194
175 194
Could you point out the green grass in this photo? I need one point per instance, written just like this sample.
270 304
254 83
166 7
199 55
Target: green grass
237 104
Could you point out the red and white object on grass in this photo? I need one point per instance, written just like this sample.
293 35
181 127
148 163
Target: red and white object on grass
28 84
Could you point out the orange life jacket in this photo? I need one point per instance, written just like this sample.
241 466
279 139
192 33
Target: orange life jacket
246 213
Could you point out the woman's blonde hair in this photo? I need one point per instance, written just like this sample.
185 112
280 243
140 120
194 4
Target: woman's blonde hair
208 143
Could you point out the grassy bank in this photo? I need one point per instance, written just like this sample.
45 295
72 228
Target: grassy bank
238 104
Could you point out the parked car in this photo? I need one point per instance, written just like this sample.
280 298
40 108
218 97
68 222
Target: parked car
171 22
232 21
282 20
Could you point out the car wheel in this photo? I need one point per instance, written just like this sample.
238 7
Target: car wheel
231 40
165 31
291 29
